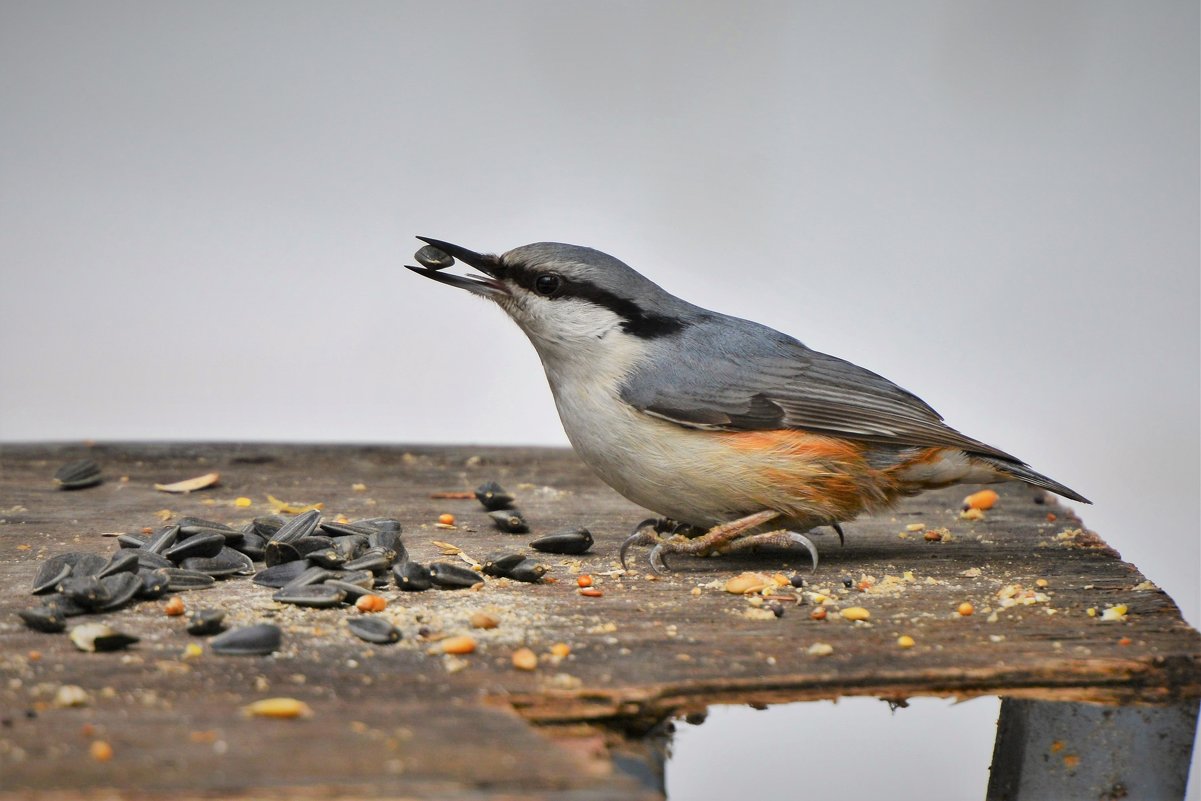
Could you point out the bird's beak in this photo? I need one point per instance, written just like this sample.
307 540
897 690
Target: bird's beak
487 285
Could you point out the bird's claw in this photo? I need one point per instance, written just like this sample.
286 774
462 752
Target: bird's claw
658 558
801 539
645 533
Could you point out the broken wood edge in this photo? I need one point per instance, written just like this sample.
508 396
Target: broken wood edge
1097 681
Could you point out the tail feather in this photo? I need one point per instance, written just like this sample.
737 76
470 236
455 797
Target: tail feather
1023 472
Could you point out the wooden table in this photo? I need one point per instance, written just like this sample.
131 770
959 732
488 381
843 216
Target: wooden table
407 721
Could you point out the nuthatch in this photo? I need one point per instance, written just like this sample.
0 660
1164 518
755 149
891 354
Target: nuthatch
712 421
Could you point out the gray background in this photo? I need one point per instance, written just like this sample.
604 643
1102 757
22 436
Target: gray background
204 209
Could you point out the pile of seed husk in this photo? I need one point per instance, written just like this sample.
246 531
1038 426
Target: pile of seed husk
308 561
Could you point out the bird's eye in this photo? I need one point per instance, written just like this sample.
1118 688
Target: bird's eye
546 284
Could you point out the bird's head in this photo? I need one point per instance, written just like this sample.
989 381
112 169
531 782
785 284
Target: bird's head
561 295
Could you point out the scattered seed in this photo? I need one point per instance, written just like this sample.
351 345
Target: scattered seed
446 519
510 521
820 649
776 608
370 603
965 609
100 637
493 497
971 514
204 622
905 641
855 613
818 613
932 535
848 582
412 577
100 751
256 640
284 708
77 475
483 620
318 596
449 576
71 695
525 659
567 541
292 507
797 580
527 570
590 592
376 630
458 645
584 580
982 500
499 564
560 650
49 619
1117 613
174 606
190 484
745 583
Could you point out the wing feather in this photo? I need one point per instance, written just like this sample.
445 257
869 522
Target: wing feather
724 373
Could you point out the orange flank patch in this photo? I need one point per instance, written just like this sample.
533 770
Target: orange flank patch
813 474
796 443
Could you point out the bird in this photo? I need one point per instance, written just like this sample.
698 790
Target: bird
737 435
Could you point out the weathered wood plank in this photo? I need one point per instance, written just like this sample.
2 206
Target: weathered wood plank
400 720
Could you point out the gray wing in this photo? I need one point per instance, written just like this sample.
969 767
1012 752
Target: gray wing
728 374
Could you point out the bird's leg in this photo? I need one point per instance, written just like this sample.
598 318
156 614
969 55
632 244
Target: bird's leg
775 539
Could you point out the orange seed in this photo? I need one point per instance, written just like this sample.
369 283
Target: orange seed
446 519
174 606
371 603
965 609
525 659
458 645
584 580
982 500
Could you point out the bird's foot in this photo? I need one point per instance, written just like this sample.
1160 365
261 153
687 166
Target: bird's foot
774 539
715 540
842 540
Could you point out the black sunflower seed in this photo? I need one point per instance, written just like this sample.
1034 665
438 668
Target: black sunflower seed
78 474
567 541
44 618
321 596
204 622
528 571
498 564
412 576
510 521
433 258
449 576
374 629
256 640
492 496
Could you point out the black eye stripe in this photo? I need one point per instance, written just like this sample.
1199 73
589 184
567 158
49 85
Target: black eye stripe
636 321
